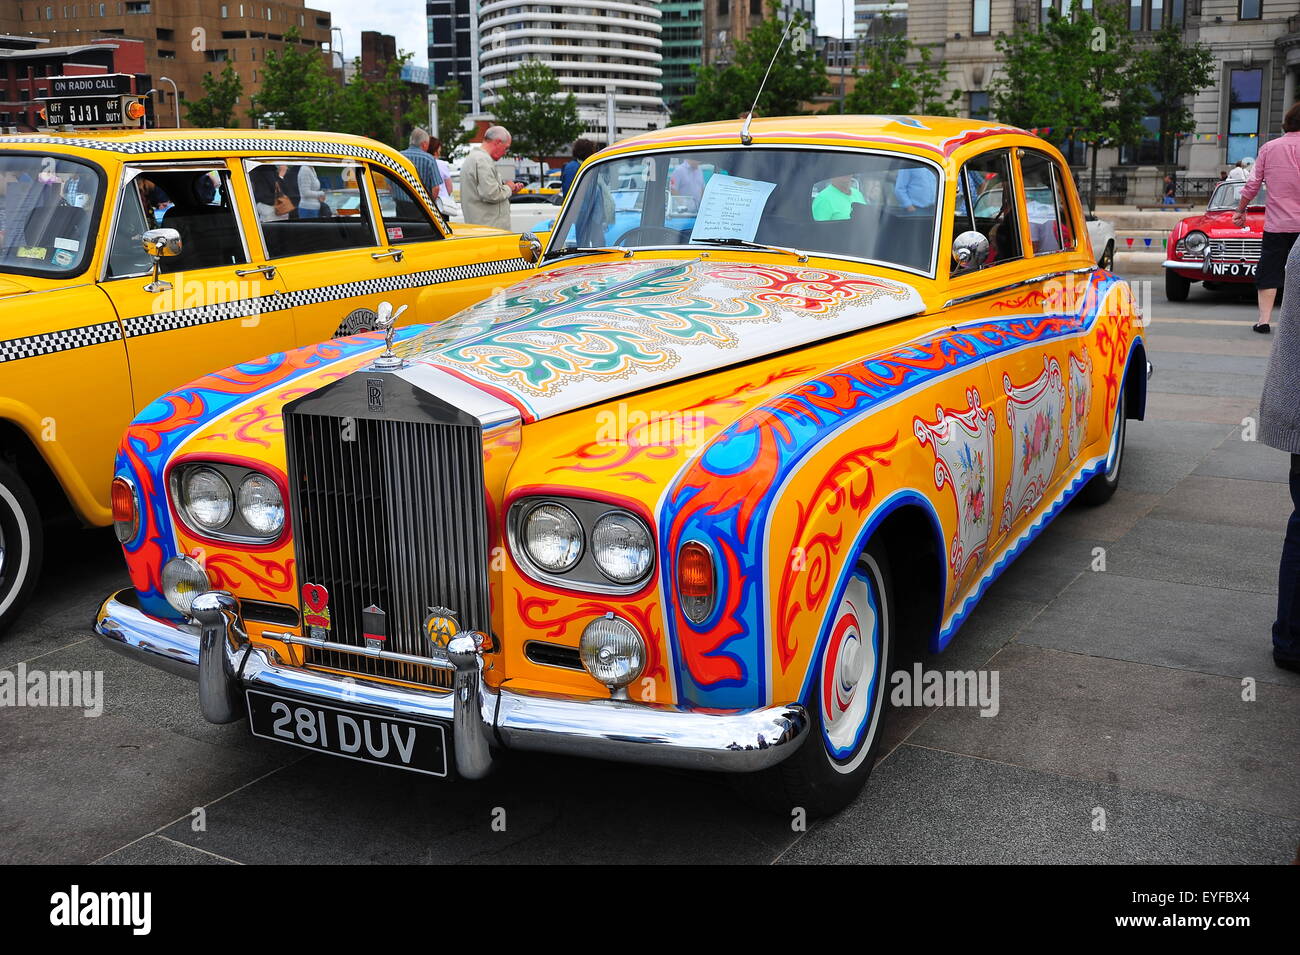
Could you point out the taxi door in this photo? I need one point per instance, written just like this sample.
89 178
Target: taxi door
215 304
324 241
447 271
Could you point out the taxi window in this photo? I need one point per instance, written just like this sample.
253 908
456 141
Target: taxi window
405 218
986 203
46 208
304 208
195 202
1045 205
125 254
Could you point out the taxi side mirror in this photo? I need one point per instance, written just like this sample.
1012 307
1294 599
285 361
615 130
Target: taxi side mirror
969 250
530 248
160 244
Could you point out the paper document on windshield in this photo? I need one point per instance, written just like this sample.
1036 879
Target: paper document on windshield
731 208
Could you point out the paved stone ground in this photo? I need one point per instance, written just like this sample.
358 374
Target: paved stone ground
1120 690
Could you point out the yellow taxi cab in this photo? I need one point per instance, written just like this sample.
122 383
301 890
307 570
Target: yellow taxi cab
780 396
132 261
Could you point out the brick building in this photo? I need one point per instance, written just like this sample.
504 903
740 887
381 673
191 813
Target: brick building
179 39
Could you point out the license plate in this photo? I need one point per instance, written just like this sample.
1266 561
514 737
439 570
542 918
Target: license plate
1234 269
353 734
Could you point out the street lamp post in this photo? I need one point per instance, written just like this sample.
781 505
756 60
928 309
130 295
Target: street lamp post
176 97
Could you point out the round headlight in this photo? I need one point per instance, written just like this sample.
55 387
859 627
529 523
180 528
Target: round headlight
622 548
183 579
207 498
612 651
1196 242
261 505
553 538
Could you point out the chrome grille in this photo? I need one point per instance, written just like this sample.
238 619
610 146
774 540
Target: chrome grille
391 514
1243 249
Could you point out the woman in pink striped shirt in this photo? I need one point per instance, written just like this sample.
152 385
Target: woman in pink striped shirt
1279 165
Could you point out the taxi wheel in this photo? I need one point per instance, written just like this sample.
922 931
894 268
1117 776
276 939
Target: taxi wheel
1102 485
847 703
1176 287
22 540
1108 258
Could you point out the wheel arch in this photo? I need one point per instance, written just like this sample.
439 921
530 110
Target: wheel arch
918 573
1135 381
20 452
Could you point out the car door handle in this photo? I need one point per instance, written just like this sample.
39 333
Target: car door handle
397 254
267 270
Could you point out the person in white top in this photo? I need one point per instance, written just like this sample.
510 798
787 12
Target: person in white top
1241 171
310 192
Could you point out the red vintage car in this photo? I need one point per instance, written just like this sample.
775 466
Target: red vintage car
1209 248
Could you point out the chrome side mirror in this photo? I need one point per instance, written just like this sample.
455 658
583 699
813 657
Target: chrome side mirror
160 244
969 250
530 248
386 322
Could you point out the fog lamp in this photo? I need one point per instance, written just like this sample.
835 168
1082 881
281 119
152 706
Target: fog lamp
612 651
183 579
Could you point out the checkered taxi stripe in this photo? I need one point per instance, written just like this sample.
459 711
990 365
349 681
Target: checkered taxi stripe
265 304
280 147
34 346
37 345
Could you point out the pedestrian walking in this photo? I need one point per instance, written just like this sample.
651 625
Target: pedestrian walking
1278 165
484 195
582 148
1171 191
425 165
1279 427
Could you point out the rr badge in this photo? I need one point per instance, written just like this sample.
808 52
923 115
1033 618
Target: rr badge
439 627
375 394
316 607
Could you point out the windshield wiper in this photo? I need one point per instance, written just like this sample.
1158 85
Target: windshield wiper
586 250
746 244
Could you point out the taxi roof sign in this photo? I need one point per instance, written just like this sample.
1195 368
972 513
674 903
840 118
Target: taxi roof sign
94 84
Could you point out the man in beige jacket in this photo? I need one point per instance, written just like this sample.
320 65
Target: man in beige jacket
484 196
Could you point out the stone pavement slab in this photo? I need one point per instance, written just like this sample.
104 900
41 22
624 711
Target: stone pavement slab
1137 726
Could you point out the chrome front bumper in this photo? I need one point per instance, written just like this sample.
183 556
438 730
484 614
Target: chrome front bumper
217 653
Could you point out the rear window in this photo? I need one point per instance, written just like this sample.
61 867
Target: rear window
47 206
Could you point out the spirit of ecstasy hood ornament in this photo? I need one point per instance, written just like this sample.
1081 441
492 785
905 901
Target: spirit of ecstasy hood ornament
386 322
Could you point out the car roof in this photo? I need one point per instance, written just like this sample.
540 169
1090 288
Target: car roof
224 142
940 135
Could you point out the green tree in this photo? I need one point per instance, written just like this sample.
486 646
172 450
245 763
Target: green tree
1079 76
216 108
297 90
1175 70
542 119
887 83
798 74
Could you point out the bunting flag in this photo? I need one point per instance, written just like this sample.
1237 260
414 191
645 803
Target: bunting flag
1129 240
1148 242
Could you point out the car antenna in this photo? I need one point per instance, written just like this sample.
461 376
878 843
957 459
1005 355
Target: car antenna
745 138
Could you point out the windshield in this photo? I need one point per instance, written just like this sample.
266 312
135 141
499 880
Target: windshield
879 207
46 204
1228 194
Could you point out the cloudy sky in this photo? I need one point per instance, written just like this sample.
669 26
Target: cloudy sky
404 19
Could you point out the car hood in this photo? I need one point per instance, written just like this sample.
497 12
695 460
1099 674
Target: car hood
10 286
1218 225
578 335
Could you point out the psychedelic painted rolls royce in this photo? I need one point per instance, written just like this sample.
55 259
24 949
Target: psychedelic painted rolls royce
766 409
